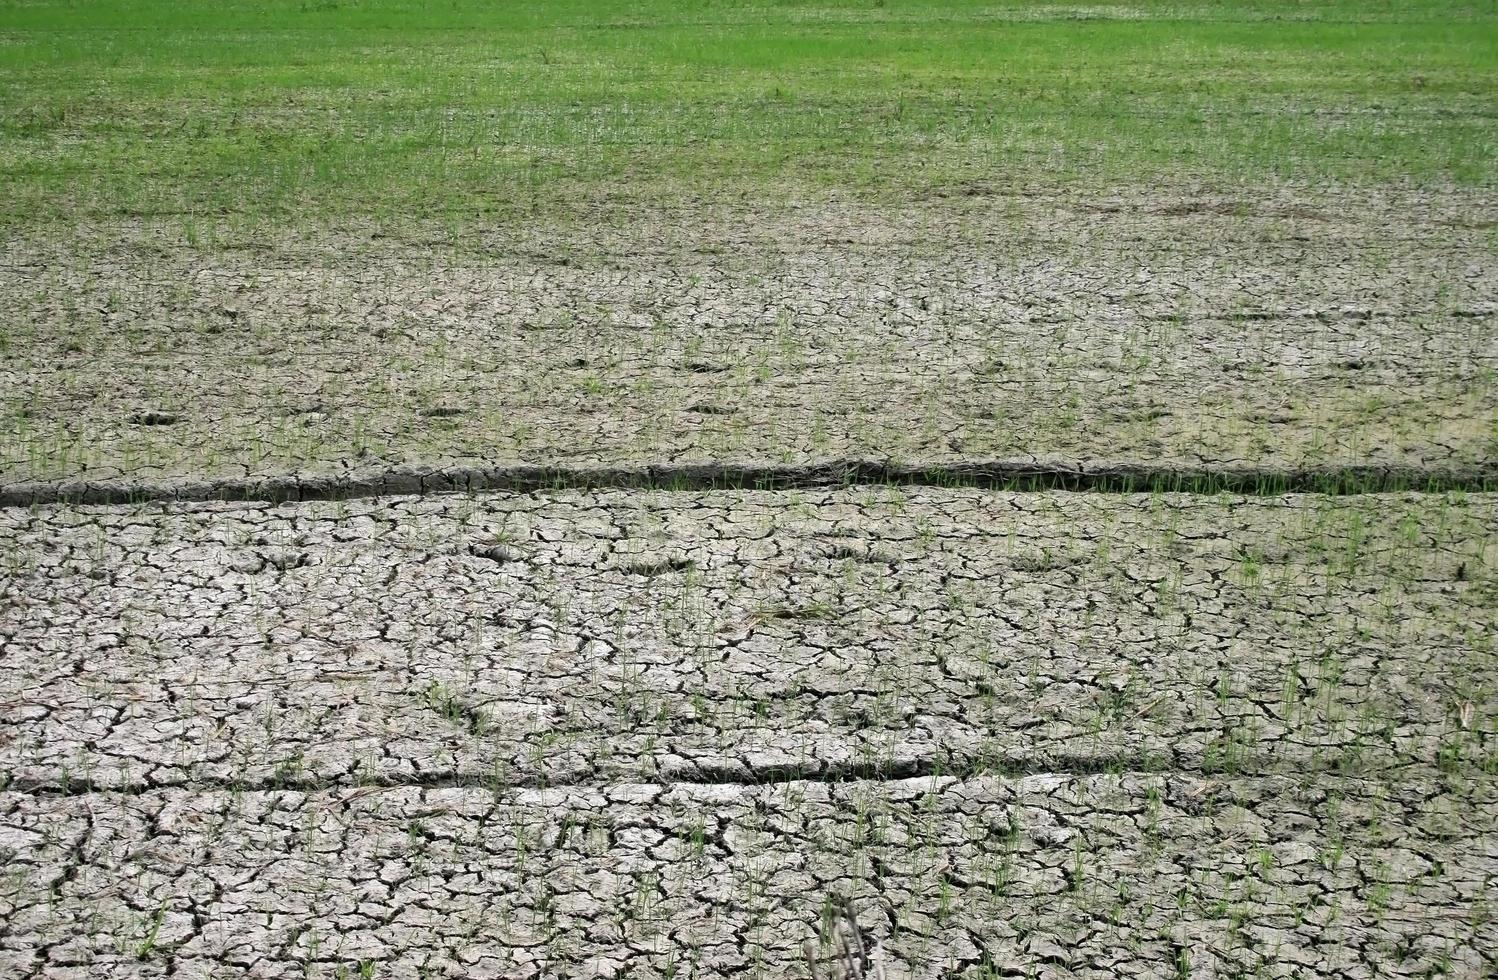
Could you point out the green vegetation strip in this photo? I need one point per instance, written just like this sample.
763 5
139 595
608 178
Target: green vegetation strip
390 107
1005 475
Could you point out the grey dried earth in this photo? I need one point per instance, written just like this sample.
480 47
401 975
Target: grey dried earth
631 733
1304 330
663 726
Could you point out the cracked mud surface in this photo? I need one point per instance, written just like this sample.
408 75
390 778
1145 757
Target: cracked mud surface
643 732
1087 876
649 734
581 636
1272 329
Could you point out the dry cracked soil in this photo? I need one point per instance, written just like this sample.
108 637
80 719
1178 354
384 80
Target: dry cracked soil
1289 332
619 600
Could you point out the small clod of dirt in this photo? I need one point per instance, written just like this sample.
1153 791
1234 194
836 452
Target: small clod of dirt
285 560
1040 563
154 418
665 566
806 613
702 408
501 553
966 189
441 412
247 564
1229 209
859 552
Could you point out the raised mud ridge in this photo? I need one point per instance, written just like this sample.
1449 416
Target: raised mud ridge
1010 475
732 773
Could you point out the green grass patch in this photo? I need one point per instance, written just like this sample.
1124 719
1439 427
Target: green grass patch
456 107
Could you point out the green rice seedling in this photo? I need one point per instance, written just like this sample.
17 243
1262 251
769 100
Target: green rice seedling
147 945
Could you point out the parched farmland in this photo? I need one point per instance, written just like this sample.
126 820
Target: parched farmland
700 489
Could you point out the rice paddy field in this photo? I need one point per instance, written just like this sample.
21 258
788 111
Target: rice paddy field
704 489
